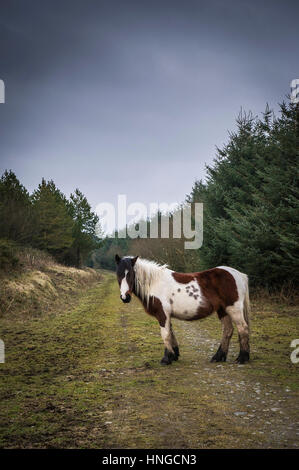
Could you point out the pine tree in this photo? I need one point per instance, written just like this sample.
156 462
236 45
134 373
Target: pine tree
84 229
53 223
15 209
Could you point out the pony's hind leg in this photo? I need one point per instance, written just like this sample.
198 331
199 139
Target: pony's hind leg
227 331
175 345
236 314
171 351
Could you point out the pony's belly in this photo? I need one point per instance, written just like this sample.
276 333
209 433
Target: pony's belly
185 308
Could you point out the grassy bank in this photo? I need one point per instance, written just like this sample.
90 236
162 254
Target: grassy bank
39 285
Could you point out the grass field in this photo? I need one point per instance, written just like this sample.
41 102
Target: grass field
88 375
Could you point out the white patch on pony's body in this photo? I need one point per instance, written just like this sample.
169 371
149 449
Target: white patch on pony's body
124 287
186 300
178 300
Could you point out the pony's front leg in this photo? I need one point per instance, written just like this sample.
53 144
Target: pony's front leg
169 353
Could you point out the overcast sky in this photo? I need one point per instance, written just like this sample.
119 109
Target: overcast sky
131 97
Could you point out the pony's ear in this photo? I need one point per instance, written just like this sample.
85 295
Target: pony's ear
133 261
117 259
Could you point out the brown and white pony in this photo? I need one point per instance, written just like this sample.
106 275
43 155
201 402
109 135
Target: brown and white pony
167 294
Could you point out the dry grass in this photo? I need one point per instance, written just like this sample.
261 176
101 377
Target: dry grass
31 258
40 285
287 293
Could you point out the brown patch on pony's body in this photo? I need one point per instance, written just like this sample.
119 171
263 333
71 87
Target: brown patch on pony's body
218 288
154 307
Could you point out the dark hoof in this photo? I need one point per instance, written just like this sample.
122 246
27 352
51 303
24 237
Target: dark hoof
220 356
167 358
243 357
165 361
176 353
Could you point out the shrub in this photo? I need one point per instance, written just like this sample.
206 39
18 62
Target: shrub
8 254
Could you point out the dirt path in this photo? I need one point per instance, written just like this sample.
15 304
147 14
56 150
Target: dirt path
268 409
91 377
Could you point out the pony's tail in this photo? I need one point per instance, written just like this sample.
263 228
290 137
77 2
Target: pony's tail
246 302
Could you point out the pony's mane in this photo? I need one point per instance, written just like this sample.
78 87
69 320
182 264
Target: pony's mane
146 274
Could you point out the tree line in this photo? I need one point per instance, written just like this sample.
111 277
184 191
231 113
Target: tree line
251 210
47 220
251 206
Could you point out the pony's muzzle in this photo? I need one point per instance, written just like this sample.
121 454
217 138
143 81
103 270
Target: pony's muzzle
127 299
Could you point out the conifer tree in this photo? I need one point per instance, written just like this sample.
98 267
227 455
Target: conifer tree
15 209
53 223
84 229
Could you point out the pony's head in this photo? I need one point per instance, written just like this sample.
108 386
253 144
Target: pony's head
125 276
